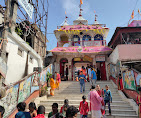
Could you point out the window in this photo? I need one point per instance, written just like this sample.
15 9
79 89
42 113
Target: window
76 40
31 59
20 52
98 37
86 38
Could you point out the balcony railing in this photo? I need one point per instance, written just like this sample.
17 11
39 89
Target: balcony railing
81 43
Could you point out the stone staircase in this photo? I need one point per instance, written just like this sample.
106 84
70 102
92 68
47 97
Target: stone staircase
71 90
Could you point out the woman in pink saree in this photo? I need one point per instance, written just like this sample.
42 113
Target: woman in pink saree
58 80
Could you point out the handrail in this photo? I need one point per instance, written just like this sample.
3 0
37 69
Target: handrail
21 90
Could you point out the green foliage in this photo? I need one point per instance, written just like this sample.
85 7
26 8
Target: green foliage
48 75
19 31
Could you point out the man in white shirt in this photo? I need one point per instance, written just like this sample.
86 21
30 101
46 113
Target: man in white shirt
89 73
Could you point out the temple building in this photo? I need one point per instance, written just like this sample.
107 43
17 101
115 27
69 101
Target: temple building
81 44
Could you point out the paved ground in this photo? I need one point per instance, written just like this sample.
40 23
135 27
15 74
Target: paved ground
71 90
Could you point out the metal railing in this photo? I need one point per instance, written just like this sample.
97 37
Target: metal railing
82 43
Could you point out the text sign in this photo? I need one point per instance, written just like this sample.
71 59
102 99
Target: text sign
100 58
27 7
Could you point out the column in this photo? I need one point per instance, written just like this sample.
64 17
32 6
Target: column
81 43
69 42
70 68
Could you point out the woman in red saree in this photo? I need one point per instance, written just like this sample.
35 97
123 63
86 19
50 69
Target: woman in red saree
120 83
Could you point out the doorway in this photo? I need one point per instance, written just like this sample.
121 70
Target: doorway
63 61
102 70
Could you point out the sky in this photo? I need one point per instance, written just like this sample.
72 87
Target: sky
113 13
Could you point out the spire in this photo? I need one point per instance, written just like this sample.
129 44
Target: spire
96 22
65 22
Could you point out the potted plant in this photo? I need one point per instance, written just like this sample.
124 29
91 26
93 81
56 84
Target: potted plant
47 78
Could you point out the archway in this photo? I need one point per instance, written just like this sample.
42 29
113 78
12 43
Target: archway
63 40
63 62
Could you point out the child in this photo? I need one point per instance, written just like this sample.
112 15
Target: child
32 109
21 111
83 108
64 107
107 98
138 100
82 79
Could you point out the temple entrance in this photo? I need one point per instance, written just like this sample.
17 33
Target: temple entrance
63 63
77 65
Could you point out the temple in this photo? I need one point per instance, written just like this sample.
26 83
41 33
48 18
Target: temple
81 44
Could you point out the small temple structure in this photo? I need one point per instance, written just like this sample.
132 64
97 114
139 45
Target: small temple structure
81 44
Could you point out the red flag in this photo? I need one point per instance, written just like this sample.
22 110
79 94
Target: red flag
81 2
94 11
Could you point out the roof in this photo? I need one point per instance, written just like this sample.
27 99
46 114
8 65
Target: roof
133 55
91 49
81 27
122 30
135 23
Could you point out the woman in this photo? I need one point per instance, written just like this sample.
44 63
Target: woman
120 83
52 84
58 80
32 109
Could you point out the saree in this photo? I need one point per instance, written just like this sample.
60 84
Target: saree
52 85
58 80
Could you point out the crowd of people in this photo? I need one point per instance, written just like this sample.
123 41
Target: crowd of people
98 99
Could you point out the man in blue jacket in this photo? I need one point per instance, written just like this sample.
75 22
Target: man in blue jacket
82 79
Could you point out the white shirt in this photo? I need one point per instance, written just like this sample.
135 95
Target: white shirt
89 72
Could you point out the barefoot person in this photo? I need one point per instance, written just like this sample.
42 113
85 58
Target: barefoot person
82 79
83 107
58 80
95 103
52 85
107 98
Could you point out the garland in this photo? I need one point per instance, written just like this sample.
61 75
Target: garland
97 31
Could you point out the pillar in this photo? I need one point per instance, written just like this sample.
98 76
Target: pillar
81 41
70 68
69 42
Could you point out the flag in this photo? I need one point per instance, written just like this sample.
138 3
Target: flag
132 15
94 11
139 11
81 2
65 13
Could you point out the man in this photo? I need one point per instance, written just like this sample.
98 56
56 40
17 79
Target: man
40 112
93 77
82 79
71 112
89 73
99 91
54 111
95 103
2 110
67 72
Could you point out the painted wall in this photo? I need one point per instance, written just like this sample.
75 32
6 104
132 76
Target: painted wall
16 63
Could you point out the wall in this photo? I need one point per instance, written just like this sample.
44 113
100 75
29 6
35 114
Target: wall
23 90
16 63
114 56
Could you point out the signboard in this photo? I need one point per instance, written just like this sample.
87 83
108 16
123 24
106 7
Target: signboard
100 58
129 80
27 7
87 58
77 59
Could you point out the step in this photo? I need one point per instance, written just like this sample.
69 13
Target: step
48 104
121 111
